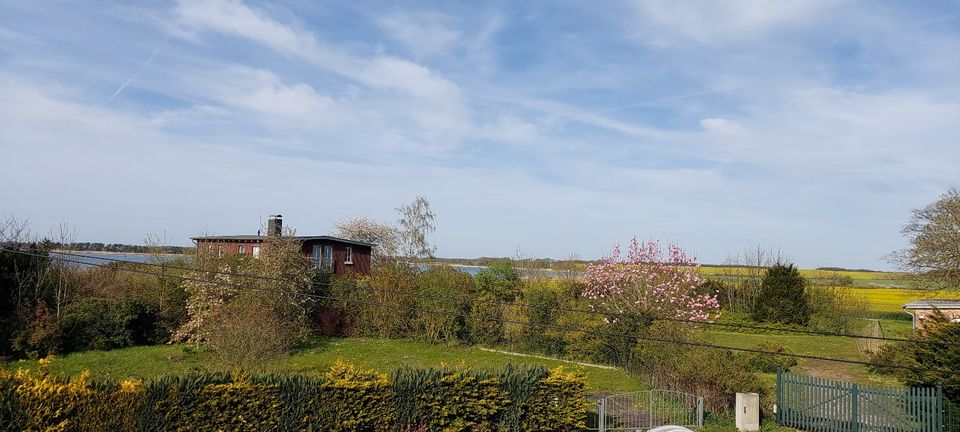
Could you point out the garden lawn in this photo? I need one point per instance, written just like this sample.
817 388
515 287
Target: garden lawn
383 355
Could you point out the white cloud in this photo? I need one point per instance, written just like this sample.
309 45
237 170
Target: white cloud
721 126
715 22
424 98
192 115
263 92
234 18
424 33
511 129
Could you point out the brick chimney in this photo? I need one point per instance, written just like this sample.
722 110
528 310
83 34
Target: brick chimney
275 225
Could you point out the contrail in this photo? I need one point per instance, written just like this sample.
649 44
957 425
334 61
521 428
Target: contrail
137 73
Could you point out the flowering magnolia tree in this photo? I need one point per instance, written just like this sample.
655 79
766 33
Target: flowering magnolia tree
648 281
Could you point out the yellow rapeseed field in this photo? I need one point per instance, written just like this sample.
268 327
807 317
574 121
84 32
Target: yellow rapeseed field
892 299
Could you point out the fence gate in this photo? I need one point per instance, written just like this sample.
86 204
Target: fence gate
816 404
649 409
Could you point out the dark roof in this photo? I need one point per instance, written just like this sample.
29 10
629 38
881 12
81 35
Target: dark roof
933 303
256 238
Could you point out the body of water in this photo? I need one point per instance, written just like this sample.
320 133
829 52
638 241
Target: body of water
473 270
88 259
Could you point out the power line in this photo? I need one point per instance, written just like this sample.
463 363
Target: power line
163 266
558 308
504 321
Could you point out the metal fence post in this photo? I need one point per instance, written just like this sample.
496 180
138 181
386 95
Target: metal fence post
699 412
938 412
779 392
650 410
855 409
602 415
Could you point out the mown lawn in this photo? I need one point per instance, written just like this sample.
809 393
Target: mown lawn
379 354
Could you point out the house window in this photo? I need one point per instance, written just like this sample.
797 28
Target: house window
348 255
256 251
316 255
328 257
241 249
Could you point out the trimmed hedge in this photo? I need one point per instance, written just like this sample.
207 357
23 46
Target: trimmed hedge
342 399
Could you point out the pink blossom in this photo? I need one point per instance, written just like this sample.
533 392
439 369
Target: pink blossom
645 281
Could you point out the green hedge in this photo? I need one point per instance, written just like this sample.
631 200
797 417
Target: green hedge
342 399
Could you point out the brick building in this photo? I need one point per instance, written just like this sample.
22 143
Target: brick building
923 309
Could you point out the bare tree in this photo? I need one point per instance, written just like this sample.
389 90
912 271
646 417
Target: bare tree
62 270
14 231
416 223
934 233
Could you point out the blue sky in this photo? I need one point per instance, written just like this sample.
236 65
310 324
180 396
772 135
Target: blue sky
549 128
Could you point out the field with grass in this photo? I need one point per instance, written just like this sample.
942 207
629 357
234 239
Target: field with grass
823 346
378 354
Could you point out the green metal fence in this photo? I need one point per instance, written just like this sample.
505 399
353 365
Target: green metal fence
822 405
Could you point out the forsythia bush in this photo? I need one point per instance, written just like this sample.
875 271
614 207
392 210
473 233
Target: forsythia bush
343 399
558 403
44 403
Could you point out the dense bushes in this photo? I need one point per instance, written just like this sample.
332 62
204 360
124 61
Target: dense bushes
102 325
434 293
836 309
343 399
50 306
541 314
716 375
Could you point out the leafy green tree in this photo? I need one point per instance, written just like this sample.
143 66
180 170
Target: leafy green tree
541 314
783 296
499 281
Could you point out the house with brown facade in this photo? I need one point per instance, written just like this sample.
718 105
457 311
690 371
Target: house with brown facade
325 252
923 310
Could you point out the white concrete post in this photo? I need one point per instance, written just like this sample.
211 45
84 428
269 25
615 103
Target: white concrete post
748 412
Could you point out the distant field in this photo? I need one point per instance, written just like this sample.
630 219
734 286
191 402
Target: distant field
892 300
712 270
379 354
860 279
